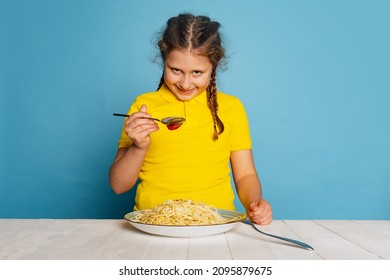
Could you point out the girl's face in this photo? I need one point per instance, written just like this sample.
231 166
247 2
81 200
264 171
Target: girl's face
186 74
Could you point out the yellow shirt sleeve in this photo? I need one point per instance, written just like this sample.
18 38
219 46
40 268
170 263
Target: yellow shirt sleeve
240 135
124 140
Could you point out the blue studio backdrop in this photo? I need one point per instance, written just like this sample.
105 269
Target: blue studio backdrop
313 75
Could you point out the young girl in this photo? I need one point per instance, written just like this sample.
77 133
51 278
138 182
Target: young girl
192 161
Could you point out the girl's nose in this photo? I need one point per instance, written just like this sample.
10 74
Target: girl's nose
185 82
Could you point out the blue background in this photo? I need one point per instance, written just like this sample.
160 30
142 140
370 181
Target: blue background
313 75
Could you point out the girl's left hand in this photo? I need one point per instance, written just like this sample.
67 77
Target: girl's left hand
260 212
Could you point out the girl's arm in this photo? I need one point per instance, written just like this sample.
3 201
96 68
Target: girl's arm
125 169
249 188
128 161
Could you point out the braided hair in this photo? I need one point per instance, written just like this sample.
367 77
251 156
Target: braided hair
187 31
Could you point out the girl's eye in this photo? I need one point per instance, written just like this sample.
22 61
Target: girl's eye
197 73
175 70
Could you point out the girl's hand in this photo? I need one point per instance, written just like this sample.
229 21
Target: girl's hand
260 212
138 128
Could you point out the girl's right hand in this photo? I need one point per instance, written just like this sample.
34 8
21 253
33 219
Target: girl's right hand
138 128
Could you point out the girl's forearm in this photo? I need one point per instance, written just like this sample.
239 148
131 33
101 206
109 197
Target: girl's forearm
249 189
125 170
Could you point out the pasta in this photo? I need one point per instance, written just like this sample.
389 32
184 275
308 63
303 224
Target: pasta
181 212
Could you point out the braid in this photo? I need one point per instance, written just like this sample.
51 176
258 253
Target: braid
213 105
161 82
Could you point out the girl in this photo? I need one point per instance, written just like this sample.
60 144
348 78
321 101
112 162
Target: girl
192 161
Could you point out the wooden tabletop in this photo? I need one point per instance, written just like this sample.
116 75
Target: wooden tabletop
81 239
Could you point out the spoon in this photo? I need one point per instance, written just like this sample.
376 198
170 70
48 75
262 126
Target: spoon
299 243
172 123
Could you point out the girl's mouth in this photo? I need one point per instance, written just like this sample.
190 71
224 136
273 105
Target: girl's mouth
185 91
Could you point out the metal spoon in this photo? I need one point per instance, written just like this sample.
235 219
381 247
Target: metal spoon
299 243
171 122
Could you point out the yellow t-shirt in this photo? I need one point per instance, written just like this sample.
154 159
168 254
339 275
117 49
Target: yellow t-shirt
187 163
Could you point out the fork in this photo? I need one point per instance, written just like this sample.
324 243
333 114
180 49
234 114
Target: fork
299 243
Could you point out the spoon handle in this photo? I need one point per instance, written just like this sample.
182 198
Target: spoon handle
153 119
299 243
121 115
125 115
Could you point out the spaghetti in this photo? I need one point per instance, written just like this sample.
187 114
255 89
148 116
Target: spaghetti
182 213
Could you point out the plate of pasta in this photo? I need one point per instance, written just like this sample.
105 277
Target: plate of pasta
184 218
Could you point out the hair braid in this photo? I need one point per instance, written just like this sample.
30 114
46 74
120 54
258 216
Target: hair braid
161 81
213 105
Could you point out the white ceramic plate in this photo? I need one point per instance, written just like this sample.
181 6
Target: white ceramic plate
188 231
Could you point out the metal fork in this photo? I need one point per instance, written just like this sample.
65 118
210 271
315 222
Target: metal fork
299 243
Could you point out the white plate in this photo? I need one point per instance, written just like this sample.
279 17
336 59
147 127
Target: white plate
188 231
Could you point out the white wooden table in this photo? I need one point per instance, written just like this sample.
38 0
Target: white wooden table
78 239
